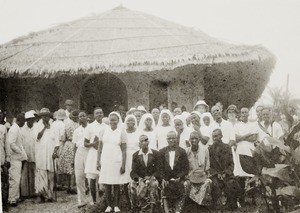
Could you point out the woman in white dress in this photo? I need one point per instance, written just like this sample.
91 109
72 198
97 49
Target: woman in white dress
131 147
165 125
147 127
132 142
196 126
112 157
183 132
206 127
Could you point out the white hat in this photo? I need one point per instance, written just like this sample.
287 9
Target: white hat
141 108
61 114
201 102
30 114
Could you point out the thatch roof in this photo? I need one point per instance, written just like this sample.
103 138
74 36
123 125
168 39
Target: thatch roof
118 40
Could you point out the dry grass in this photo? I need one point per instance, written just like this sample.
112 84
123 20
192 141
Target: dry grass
118 40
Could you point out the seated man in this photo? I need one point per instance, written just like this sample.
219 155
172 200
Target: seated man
221 172
174 166
144 187
198 185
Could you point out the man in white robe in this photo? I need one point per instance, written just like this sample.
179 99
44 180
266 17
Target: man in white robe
46 146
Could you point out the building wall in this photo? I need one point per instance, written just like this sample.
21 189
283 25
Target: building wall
137 85
188 87
185 86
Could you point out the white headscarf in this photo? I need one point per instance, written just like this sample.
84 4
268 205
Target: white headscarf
197 113
206 114
130 116
185 135
168 112
120 123
142 125
182 118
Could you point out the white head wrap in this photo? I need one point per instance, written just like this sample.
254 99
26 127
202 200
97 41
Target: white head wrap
142 125
168 112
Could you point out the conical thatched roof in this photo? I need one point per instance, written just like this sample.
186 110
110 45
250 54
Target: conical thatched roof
119 40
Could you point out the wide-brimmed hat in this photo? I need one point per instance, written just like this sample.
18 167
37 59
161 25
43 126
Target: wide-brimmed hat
232 107
141 108
74 113
201 102
61 114
197 176
45 112
30 114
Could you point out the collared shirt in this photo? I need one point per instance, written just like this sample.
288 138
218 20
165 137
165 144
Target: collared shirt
227 130
145 155
94 129
241 129
78 136
198 159
14 139
171 159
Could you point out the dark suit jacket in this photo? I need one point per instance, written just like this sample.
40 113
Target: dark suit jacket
181 164
221 161
139 169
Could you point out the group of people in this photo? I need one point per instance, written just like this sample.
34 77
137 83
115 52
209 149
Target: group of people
154 156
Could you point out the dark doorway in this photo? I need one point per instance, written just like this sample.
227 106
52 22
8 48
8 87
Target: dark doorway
51 96
3 94
158 94
105 91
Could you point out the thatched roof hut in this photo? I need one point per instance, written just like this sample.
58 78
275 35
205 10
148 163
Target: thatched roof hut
135 48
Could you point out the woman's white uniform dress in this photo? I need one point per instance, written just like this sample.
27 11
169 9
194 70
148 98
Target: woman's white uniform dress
207 130
162 131
185 135
111 157
152 137
132 145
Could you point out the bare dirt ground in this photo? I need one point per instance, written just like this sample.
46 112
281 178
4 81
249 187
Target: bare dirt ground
65 203
68 204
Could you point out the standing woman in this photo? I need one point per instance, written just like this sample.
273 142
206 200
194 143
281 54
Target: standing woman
147 127
132 142
196 126
131 147
165 125
67 155
183 132
112 155
206 126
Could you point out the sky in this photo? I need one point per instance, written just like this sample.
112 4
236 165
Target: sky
275 24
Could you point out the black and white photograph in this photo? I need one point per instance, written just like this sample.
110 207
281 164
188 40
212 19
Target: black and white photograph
150 106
